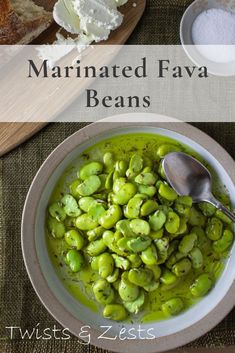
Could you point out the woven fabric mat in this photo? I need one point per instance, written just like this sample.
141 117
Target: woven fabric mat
19 305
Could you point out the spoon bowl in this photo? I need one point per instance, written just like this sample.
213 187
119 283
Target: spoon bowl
188 176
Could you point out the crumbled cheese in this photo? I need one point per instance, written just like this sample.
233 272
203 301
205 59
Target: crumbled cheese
90 20
94 18
62 46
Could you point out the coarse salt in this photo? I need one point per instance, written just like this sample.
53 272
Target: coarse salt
213 32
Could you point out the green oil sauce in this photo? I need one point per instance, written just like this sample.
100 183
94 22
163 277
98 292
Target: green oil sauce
80 284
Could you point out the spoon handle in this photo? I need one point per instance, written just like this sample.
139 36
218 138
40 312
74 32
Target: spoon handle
221 207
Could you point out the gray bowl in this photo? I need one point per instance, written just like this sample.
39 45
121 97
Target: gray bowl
192 50
61 304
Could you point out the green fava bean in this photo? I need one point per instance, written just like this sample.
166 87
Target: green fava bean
196 258
124 227
175 257
86 222
101 197
167 192
89 186
86 202
173 307
135 260
111 242
114 276
93 168
196 218
135 305
121 262
156 271
136 163
103 178
187 243
70 222
75 239
182 267
224 242
96 247
118 183
116 175
139 244
109 161
201 286
183 228
156 234
95 263
215 269
121 167
185 200
140 277
148 207
202 241
132 209
95 233
151 287
183 205
164 149
57 212
214 228
108 237
115 312
149 256
96 210
127 290
130 174
173 246
103 292
123 244
147 170
146 178
75 260
161 171
162 246
111 217
168 277
126 192
140 227
147 190
70 206
207 209
106 265
157 220
56 229
173 222
164 201
109 181
73 188
219 214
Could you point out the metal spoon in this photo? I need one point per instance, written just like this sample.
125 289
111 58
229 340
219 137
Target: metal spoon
189 177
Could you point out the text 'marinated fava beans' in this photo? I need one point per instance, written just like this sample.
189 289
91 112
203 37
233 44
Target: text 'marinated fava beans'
123 221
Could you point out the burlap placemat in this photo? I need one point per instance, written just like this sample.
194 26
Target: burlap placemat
19 305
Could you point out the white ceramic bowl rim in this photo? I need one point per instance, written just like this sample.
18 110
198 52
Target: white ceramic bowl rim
169 334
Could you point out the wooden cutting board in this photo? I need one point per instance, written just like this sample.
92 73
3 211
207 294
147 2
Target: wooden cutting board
13 134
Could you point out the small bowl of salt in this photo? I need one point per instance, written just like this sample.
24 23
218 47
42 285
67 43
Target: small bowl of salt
207 33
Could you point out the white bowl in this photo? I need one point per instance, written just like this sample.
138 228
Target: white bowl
61 304
192 50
